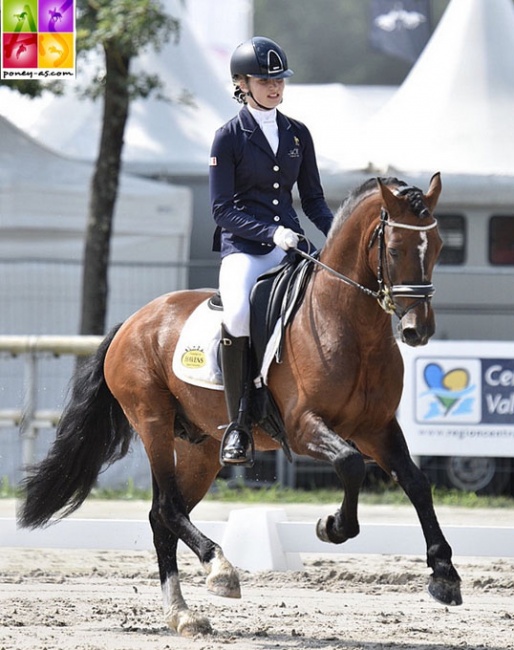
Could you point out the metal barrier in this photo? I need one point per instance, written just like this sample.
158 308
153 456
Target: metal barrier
28 418
270 468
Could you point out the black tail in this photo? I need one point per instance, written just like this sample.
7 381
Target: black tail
93 431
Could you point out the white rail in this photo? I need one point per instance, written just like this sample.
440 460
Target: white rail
58 345
29 418
261 539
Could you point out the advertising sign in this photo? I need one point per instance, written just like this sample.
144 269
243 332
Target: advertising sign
458 399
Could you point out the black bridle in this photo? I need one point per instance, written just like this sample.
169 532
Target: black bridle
386 294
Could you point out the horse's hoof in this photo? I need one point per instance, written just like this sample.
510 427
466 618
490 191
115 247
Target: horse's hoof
444 591
327 532
224 584
322 528
188 624
222 579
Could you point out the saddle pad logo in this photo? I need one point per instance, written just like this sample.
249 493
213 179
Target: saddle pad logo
448 390
194 358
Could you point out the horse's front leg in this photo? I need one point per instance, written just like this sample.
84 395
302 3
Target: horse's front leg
349 466
394 458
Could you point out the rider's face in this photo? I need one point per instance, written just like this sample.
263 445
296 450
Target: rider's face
266 92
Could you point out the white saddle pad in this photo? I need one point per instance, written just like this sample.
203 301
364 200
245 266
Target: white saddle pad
195 359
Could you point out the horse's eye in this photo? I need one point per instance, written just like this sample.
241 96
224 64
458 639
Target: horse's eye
393 252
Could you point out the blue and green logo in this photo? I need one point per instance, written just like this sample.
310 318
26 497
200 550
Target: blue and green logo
448 390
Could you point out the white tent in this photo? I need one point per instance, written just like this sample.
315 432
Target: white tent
454 112
336 115
171 137
43 211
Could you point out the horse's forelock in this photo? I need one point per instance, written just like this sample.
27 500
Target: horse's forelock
414 196
417 203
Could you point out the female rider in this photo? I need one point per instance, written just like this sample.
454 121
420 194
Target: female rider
256 159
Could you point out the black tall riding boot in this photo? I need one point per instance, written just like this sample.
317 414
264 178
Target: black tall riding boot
237 443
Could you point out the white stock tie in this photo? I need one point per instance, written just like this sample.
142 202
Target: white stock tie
267 120
270 130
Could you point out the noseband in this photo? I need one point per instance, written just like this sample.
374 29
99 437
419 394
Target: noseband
386 294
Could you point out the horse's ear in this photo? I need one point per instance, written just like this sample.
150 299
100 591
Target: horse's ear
390 201
434 191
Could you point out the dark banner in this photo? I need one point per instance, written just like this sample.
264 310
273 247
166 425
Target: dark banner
400 28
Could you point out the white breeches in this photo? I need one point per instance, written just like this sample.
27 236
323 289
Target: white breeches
238 273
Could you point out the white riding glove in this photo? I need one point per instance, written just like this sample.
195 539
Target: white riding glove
285 238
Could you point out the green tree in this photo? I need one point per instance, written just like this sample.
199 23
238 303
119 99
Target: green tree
122 29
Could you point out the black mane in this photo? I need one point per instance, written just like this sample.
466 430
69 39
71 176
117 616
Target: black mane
413 194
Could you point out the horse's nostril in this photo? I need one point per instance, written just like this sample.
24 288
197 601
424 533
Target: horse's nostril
410 335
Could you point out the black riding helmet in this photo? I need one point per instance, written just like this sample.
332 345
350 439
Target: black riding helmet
259 57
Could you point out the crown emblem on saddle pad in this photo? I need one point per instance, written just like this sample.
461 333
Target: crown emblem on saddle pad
193 358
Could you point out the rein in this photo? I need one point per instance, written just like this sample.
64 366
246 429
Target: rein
385 295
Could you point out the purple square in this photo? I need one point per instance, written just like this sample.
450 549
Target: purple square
56 16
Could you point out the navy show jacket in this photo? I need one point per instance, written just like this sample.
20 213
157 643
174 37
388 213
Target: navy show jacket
251 187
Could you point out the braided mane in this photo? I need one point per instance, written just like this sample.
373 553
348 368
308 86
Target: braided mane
356 196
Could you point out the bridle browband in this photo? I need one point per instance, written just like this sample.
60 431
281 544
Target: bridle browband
386 294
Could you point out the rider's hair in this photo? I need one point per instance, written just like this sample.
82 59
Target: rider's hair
239 95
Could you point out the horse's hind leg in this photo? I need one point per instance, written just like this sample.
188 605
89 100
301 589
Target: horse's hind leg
393 456
169 518
177 614
196 467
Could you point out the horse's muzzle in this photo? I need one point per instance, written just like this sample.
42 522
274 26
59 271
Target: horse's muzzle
414 330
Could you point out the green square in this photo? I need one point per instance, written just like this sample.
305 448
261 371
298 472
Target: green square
19 16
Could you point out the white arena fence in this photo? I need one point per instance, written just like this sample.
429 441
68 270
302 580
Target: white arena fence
261 538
